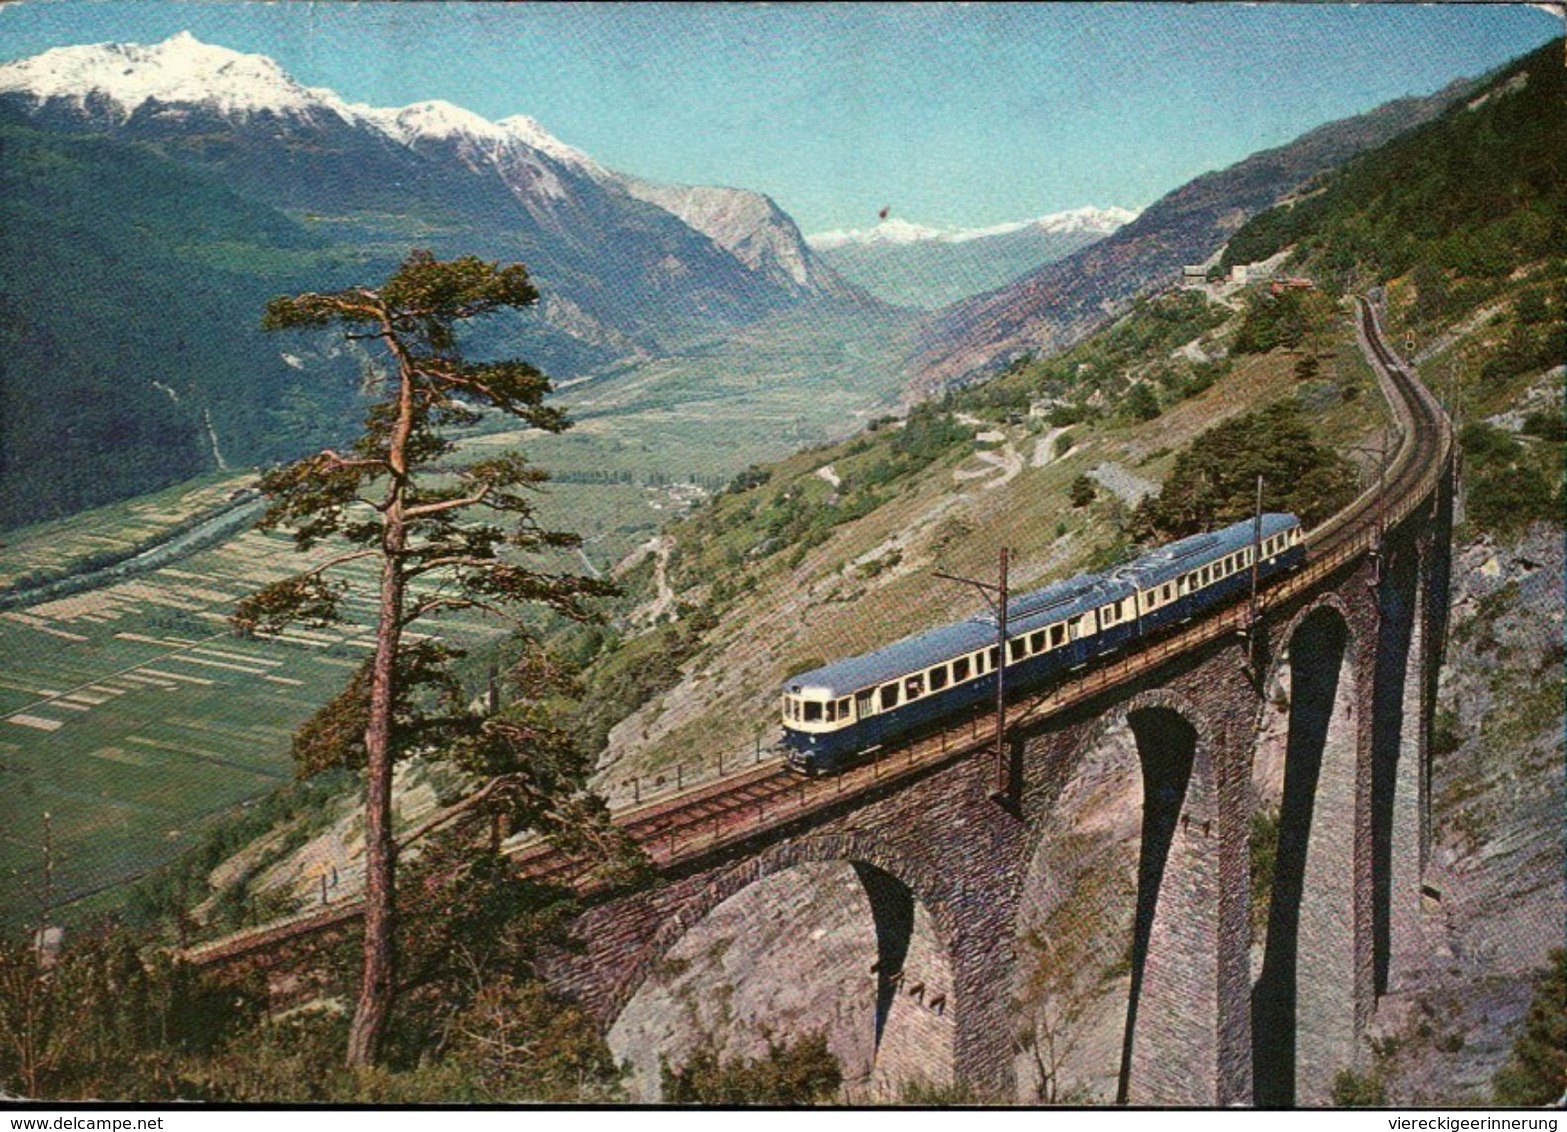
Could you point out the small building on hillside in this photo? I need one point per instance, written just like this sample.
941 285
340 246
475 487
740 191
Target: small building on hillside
1291 283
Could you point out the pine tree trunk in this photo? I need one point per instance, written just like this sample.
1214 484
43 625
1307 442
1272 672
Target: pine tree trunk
377 984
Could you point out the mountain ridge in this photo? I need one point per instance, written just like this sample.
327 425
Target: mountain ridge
895 230
1055 306
307 149
921 266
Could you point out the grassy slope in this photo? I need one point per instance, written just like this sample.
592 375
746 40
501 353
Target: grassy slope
131 778
132 717
863 583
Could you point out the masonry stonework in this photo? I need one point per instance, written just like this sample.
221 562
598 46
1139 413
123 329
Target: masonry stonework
1185 1015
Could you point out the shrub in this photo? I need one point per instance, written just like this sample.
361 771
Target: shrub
1506 500
1214 480
1082 492
1536 1072
1141 404
801 1072
1358 1090
1551 426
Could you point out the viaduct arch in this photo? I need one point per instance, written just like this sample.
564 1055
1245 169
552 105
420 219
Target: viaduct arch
1226 839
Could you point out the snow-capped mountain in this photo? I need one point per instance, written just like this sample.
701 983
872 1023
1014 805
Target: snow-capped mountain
117 79
631 261
893 230
921 266
162 193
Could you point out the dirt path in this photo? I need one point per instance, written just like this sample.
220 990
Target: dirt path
660 548
1007 461
1045 449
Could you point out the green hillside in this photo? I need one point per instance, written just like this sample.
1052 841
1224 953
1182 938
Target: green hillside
831 552
1470 195
1463 222
119 277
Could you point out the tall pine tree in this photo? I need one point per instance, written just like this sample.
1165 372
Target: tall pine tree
442 542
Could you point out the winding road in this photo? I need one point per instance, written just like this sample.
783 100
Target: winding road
687 824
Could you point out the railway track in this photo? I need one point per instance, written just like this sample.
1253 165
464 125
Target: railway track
691 824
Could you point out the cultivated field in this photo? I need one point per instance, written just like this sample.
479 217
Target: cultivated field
132 715
711 411
114 528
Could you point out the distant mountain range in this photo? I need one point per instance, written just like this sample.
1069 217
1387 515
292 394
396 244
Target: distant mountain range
1054 306
153 197
628 265
159 194
915 265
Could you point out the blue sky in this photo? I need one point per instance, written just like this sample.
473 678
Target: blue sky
952 114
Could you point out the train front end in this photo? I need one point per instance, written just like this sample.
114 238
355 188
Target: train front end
818 726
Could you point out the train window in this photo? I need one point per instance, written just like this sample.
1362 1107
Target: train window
866 702
1057 635
843 709
938 678
913 687
993 655
960 668
788 708
830 712
1016 650
813 711
889 696
1107 615
1166 592
1036 643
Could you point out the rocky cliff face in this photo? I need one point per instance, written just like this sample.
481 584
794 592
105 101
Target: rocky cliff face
752 228
1495 903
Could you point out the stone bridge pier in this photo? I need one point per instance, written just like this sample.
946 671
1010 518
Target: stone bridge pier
1204 879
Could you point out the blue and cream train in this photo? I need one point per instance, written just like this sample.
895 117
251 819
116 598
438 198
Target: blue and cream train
834 713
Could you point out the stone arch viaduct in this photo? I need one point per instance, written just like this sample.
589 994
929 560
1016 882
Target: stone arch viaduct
1203 871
